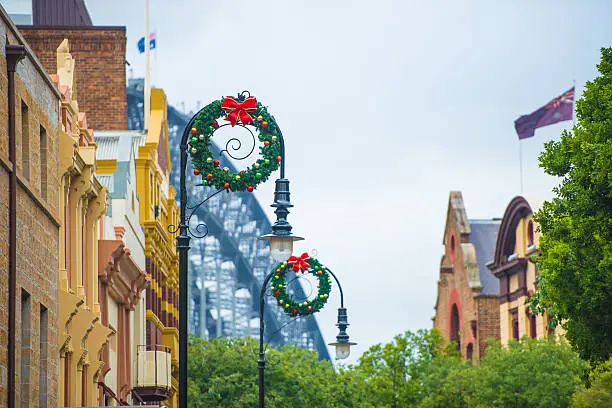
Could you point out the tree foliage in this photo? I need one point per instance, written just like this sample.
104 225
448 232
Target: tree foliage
413 370
599 394
575 265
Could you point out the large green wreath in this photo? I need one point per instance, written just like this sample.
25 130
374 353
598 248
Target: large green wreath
234 110
300 264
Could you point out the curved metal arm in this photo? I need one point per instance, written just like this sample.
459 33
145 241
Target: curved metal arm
339 287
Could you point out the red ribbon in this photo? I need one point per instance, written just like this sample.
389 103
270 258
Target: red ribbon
299 264
239 110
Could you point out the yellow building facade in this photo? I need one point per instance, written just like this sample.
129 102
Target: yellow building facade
82 203
517 242
158 210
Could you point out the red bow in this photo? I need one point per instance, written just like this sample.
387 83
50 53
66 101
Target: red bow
238 110
299 264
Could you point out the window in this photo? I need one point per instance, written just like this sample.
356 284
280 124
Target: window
133 207
452 248
514 324
25 348
470 352
455 326
44 346
530 236
43 163
25 141
532 325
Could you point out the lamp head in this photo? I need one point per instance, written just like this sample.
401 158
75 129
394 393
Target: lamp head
281 246
342 343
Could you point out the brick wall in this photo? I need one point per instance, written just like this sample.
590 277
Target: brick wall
488 321
100 69
37 230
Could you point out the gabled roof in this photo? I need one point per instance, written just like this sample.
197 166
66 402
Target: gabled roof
456 206
484 237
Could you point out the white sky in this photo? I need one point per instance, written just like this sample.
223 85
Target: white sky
385 106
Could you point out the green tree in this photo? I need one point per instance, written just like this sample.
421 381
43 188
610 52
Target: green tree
575 265
393 372
222 373
599 394
529 373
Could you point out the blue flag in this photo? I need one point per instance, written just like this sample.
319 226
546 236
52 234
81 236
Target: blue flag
152 43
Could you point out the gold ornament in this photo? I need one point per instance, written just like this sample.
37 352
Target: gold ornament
274 138
260 118
201 137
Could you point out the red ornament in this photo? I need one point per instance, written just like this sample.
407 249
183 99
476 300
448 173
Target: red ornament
294 311
209 176
226 186
299 264
264 124
196 171
278 159
241 171
194 131
278 271
239 110
215 124
319 272
277 293
266 143
250 189
216 163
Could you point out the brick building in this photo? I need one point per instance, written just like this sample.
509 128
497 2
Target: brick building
467 308
100 73
516 242
29 233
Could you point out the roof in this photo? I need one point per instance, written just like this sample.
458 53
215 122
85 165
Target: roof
108 180
484 237
117 145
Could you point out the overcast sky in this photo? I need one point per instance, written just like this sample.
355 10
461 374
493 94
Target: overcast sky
386 106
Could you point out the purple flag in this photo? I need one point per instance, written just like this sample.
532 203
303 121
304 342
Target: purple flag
559 109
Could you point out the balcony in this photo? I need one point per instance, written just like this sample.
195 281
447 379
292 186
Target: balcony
153 373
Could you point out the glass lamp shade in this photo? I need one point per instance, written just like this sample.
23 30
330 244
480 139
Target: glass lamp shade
343 349
281 248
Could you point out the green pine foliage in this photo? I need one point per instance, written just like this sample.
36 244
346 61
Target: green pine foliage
575 265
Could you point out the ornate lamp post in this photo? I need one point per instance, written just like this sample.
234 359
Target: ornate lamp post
196 142
281 231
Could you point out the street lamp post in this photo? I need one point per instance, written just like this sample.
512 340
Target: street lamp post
281 232
281 239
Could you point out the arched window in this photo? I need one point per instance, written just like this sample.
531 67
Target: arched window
455 326
530 237
452 248
470 352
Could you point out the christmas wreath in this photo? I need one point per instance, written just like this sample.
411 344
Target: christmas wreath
301 264
242 111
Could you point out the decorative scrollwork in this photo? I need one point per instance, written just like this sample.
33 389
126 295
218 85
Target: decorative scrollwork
200 230
235 145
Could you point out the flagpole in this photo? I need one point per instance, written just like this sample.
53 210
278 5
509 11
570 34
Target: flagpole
521 164
147 80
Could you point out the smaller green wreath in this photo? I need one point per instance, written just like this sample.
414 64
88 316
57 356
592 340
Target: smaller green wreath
246 112
300 264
